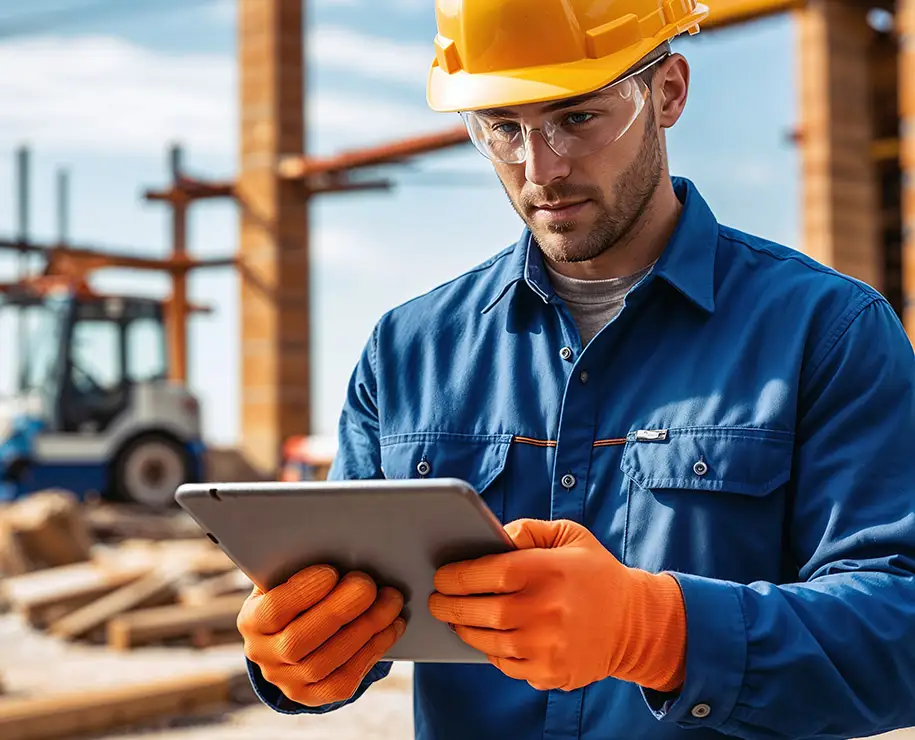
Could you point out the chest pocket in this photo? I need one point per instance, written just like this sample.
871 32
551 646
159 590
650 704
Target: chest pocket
708 500
479 460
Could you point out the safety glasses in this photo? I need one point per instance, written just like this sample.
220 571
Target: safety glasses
574 129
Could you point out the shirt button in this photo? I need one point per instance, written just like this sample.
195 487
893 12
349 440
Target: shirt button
701 711
423 468
583 377
568 481
700 468
566 353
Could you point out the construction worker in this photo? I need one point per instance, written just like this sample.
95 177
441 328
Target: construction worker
699 440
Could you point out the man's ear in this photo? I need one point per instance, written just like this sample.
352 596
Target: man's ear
670 89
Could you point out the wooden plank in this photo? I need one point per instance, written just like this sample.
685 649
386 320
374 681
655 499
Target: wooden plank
117 523
130 597
208 638
13 560
50 529
148 626
53 583
79 713
727 13
41 616
231 582
196 555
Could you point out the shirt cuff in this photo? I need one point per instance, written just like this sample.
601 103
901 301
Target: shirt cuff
278 702
716 657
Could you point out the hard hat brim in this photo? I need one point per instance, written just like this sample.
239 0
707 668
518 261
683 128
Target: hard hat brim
462 91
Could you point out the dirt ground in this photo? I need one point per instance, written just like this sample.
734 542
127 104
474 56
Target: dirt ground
33 664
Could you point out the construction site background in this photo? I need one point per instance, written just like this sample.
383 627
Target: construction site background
117 617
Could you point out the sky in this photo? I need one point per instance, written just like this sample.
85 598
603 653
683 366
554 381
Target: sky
104 93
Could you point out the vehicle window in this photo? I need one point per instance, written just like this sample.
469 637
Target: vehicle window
145 350
95 354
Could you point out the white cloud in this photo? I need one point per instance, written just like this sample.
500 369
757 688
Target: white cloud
222 11
342 48
105 95
343 248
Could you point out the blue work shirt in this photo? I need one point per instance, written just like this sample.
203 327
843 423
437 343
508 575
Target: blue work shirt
746 422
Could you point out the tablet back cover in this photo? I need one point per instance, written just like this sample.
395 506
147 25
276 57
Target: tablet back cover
399 532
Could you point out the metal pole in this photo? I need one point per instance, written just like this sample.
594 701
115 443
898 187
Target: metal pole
63 206
22 187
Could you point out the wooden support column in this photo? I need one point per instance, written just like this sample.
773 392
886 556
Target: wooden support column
840 195
884 76
178 308
274 270
905 25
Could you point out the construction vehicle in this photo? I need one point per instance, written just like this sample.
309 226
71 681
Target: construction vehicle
93 410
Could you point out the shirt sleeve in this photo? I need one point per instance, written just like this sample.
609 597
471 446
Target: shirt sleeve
832 655
358 458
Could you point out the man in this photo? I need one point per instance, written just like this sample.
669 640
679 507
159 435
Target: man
700 441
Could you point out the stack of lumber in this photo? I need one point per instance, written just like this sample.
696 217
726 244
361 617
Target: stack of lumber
115 576
43 531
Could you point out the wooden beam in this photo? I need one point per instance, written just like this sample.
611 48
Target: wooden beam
728 13
50 529
103 710
840 190
230 582
121 522
885 150
48 585
94 259
132 596
905 24
187 190
149 626
176 317
301 167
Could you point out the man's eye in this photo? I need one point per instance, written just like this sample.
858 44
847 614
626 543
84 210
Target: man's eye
506 130
577 119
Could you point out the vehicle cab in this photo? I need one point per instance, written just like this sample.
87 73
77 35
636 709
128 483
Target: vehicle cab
88 405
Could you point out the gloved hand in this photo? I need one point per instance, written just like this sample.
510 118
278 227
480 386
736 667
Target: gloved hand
561 611
316 636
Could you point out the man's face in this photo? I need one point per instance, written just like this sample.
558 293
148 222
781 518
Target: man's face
578 208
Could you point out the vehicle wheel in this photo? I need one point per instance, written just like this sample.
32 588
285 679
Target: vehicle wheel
149 470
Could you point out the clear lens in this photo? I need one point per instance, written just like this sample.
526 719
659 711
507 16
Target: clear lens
571 131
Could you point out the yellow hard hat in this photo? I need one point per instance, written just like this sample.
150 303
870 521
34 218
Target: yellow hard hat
497 53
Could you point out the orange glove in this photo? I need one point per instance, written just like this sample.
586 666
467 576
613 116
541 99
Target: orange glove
316 639
561 612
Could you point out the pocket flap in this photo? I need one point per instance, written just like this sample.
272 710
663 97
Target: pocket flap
753 462
476 459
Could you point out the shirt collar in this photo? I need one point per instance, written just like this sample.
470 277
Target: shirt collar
687 263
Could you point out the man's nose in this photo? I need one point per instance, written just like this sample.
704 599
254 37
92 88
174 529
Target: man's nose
543 166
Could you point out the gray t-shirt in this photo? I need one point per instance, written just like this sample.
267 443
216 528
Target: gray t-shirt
593 303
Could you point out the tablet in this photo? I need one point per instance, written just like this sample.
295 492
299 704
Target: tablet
397 531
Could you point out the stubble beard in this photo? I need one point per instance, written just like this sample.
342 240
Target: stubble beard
634 191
